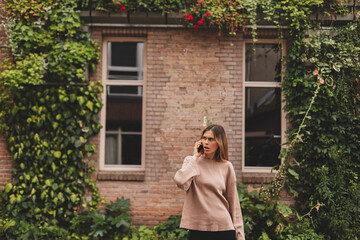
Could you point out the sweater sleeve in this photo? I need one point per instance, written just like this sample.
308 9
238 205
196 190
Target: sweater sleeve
184 177
234 205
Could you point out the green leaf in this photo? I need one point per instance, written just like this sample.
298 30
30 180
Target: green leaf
36 137
337 67
48 182
90 105
53 166
57 154
284 209
55 124
293 173
81 100
55 186
78 143
73 197
8 187
35 179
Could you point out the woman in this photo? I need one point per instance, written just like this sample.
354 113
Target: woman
211 208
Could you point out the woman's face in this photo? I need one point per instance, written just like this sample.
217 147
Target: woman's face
209 143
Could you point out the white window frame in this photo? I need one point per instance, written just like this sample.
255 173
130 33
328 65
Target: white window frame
259 169
113 82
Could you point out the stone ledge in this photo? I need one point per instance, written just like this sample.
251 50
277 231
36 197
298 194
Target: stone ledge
249 178
121 176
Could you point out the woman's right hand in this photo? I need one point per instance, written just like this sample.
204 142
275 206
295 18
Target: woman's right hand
196 153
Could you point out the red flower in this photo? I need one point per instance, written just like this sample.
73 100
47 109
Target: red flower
194 10
200 22
187 14
201 2
203 19
208 14
196 26
199 5
122 8
189 17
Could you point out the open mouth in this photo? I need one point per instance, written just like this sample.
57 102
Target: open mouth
206 148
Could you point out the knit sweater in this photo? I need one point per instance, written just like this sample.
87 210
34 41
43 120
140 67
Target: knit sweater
211 202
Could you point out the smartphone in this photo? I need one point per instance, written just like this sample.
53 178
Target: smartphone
200 148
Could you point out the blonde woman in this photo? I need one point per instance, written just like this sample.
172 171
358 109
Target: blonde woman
211 209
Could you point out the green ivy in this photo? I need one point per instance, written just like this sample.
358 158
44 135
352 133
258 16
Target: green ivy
30 70
50 112
48 131
328 151
52 31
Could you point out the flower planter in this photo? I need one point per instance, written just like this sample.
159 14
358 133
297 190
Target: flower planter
131 18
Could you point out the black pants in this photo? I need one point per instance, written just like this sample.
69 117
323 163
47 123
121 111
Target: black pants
206 235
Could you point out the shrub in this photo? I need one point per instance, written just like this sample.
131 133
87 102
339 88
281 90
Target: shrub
168 230
113 224
272 220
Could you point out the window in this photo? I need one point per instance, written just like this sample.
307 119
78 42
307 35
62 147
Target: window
263 123
123 109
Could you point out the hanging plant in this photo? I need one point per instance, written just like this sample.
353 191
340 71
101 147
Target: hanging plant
224 15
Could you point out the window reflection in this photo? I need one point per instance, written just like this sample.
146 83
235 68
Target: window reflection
262 105
263 64
123 125
262 126
125 61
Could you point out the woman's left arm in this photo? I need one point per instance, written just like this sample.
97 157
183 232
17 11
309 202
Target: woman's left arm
234 204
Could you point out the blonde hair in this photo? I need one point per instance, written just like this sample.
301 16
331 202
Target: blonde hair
222 153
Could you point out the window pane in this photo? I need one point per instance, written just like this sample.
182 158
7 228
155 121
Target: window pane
123 120
112 150
263 64
125 60
262 126
132 144
123 54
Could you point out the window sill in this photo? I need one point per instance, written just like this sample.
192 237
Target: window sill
138 176
257 178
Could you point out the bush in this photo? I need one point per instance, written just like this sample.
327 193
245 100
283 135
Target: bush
168 230
271 220
113 224
329 152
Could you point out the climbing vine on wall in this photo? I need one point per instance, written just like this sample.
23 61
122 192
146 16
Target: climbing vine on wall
49 114
327 152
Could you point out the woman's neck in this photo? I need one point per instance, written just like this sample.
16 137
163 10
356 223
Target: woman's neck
209 156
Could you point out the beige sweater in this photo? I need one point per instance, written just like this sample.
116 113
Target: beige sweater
211 202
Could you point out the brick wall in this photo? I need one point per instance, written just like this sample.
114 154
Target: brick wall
186 73
5 159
